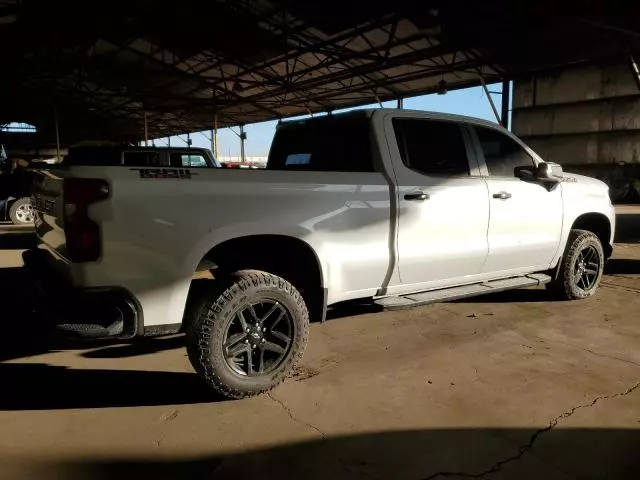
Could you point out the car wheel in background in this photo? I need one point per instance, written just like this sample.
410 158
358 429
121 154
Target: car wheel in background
21 212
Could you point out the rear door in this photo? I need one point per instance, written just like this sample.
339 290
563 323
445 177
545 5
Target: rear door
526 218
443 202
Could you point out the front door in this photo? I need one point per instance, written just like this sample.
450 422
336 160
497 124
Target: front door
443 203
525 217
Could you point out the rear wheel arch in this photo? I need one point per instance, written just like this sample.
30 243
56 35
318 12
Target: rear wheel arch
288 257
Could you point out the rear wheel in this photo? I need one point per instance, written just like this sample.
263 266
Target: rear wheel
246 332
581 267
21 212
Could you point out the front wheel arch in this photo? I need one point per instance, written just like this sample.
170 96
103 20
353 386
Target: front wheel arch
598 224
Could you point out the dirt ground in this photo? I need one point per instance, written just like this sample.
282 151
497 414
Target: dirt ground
503 386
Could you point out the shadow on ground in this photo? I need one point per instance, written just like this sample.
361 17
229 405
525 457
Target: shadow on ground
18 239
28 386
143 346
622 266
410 454
23 334
627 228
352 308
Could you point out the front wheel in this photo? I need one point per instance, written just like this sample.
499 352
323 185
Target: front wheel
21 212
581 267
246 332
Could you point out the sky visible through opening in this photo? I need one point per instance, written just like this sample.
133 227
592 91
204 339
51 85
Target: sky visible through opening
471 101
19 127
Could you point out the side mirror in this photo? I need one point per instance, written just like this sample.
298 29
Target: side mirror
527 173
549 172
544 172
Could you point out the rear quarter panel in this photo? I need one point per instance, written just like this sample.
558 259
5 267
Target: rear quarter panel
156 230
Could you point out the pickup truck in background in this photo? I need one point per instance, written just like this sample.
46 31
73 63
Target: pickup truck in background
139 157
397 206
15 187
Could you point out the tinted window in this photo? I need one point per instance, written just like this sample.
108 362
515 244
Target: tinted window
188 160
98 156
501 153
334 144
141 159
432 147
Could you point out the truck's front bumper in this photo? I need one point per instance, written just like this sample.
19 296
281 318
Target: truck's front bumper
108 312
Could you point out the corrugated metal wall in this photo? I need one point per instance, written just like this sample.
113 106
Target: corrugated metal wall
586 118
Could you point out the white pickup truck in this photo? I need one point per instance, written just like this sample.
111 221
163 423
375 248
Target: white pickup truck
397 206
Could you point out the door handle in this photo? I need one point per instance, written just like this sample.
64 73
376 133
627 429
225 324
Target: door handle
502 195
416 196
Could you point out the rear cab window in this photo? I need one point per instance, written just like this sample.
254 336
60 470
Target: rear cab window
141 159
93 156
340 143
432 147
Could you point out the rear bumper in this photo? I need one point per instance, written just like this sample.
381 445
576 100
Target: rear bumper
113 308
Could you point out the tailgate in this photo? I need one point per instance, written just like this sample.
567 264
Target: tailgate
46 197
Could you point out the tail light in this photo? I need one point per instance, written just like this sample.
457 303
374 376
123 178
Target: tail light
82 233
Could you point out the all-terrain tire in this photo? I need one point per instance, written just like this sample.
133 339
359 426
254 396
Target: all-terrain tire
21 212
213 310
567 284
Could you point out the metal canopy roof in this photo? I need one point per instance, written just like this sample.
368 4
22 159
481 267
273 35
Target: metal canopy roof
101 65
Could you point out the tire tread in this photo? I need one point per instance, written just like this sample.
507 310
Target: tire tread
561 286
200 330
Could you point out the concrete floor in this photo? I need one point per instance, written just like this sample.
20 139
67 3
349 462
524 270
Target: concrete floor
503 386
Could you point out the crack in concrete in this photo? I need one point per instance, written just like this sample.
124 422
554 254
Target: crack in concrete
625 288
526 448
294 418
588 350
611 357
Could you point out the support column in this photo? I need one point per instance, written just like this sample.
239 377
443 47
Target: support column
243 136
400 103
214 136
506 103
636 71
57 126
146 133
488 93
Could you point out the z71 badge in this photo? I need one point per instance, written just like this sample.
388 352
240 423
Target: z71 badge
177 173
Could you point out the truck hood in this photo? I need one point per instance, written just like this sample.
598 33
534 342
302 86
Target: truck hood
572 183
579 188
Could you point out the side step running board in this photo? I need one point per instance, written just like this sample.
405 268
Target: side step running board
455 293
